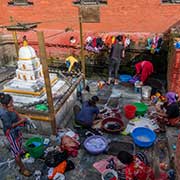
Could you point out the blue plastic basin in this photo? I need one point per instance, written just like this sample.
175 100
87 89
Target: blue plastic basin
125 77
143 137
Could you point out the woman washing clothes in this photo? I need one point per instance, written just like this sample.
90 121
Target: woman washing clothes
168 112
89 112
143 70
11 126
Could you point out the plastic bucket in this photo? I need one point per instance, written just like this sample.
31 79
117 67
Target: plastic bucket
35 147
130 111
146 92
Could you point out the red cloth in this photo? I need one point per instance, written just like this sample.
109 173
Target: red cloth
137 169
70 145
94 44
145 68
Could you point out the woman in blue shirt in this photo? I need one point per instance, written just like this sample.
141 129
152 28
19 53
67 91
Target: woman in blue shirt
11 128
88 113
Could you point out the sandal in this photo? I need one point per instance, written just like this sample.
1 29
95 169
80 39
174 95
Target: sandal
25 172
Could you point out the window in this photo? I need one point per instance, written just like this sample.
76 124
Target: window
171 1
20 2
89 2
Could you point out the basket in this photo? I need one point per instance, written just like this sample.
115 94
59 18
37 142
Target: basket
143 137
35 147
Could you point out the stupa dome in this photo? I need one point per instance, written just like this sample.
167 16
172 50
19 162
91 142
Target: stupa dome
27 53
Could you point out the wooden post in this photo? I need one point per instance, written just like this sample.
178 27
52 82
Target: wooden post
82 50
43 57
16 42
15 38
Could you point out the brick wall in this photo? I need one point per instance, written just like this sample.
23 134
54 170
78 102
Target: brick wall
174 72
117 16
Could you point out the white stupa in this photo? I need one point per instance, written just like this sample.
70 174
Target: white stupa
28 85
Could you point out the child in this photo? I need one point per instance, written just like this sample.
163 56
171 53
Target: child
11 122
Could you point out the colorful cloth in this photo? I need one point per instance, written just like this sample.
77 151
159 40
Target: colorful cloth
145 68
138 170
69 144
171 97
13 135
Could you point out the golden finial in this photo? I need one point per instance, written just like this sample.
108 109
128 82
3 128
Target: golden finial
25 43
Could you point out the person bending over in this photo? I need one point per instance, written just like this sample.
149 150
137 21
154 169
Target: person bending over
88 113
11 127
144 69
72 64
168 112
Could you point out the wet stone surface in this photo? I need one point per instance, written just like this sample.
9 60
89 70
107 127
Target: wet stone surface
84 169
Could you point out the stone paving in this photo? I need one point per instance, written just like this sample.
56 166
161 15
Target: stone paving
84 161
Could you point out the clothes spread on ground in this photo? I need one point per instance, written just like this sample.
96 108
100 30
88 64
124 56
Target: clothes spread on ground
70 145
87 113
145 68
138 170
61 168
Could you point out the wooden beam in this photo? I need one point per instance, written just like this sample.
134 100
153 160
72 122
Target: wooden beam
42 52
82 49
37 117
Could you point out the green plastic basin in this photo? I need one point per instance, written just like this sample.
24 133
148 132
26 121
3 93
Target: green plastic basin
141 108
35 147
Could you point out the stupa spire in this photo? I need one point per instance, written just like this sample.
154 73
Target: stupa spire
25 42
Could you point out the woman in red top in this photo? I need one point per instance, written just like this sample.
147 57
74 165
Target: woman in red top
136 167
144 69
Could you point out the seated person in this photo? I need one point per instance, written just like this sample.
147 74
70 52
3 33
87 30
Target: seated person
136 167
168 112
72 63
143 70
88 113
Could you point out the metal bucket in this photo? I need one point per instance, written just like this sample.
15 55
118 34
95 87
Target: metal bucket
146 92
